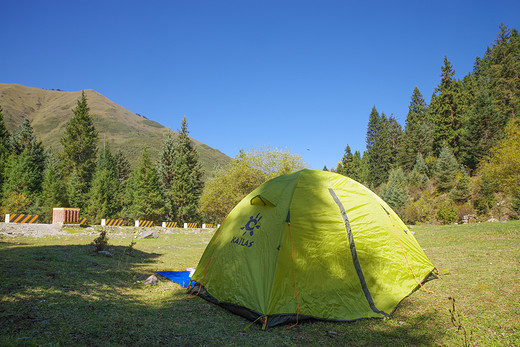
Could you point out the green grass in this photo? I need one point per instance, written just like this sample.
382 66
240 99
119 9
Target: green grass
55 291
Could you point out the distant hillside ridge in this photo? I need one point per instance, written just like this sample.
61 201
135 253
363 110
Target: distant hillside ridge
50 110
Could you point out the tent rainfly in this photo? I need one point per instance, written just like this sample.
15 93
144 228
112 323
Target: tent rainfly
311 244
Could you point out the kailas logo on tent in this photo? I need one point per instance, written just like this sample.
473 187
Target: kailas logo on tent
251 225
249 228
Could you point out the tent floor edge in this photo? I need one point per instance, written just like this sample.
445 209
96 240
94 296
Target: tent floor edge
272 320
236 309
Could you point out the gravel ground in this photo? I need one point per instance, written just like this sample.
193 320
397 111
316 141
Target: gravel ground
34 230
37 230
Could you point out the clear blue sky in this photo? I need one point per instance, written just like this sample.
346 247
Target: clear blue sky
296 75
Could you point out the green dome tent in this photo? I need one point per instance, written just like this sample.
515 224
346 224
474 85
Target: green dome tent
311 244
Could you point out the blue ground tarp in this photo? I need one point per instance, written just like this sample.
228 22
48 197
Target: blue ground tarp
181 277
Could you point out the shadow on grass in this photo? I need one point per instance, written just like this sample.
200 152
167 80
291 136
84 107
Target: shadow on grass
69 295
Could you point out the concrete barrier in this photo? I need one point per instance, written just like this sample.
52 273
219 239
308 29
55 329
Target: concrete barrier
112 222
21 218
190 225
169 224
143 223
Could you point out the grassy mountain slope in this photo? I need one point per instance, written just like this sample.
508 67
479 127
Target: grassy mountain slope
50 110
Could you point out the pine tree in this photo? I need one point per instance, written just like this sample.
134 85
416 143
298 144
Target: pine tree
461 192
503 66
123 168
417 134
53 189
167 175
4 136
372 129
103 195
379 151
446 170
395 134
188 183
79 146
351 165
74 188
4 150
346 165
444 110
357 172
123 176
22 176
25 140
146 199
420 165
483 127
394 192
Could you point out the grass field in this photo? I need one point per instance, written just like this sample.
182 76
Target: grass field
55 291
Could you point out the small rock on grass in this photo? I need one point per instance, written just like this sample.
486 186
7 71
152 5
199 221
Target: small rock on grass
151 234
149 280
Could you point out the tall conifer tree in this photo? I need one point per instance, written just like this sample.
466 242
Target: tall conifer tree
53 188
395 134
350 165
123 167
103 195
146 199
188 184
394 192
503 66
446 170
22 176
483 128
379 151
444 110
25 140
345 166
123 176
23 169
4 149
80 146
416 134
167 175
4 135
358 164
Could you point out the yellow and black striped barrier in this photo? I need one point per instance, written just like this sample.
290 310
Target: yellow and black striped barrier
169 224
83 222
190 225
207 226
112 222
21 218
144 223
